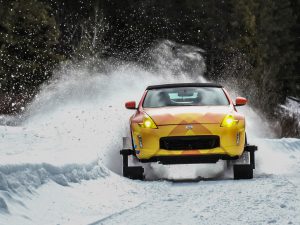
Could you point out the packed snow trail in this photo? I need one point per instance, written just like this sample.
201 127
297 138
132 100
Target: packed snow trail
264 200
60 163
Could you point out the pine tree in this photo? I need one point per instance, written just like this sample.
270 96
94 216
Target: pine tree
264 36
28 39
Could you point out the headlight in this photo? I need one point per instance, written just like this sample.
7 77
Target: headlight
229 121
148 123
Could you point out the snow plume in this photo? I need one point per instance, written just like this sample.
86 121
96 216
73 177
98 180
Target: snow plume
289 116
79 117
84 107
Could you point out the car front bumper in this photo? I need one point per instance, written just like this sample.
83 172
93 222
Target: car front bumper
147 145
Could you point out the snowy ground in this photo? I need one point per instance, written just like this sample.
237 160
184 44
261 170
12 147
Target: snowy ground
61 164
41 194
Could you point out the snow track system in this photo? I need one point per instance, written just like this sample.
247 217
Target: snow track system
240 170
132 172
245 171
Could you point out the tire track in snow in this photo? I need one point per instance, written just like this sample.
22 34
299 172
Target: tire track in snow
98 222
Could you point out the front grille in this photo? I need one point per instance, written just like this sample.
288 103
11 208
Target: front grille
189 142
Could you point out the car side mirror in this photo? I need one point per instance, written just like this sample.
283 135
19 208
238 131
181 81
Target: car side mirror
130 105
239 101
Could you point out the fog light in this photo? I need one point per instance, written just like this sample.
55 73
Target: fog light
229 121
148 123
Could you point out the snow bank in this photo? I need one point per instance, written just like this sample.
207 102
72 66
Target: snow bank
278 156
17 178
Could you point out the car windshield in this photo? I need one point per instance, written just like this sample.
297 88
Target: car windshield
185 96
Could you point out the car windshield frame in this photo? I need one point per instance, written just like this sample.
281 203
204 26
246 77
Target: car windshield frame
181 97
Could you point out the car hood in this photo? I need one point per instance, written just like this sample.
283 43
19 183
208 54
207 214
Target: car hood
189 114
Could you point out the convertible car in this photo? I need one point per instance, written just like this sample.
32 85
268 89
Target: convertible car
188 123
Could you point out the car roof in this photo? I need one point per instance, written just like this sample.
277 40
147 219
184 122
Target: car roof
183 85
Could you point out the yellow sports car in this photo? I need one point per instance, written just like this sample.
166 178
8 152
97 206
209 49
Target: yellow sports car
188 123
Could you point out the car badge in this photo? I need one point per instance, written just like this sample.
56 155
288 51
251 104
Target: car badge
189 127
